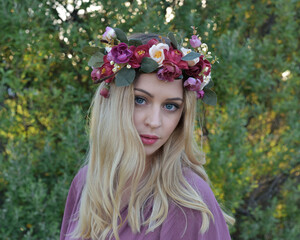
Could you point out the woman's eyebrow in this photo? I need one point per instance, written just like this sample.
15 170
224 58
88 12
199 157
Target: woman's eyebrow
149 94
172 99
141 90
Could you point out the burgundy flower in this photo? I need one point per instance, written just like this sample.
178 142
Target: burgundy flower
192 84
121 53
152 42
195 41
169 71
200 94
174 56
138 54
104 71
202 66
104 92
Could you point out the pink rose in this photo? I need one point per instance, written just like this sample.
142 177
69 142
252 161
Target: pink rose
200 94
192 84
121 53
169 71
96 74
109 34
195 41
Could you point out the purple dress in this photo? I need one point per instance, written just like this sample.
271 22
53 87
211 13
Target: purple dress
177 225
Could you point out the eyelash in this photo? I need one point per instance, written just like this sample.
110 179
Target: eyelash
144 102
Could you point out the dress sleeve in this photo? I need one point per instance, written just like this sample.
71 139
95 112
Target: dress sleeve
184 223
72 203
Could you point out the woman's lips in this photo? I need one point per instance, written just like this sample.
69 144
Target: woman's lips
148 139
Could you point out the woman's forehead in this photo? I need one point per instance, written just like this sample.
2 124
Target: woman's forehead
150 83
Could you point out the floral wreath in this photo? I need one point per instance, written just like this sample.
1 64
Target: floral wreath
120 60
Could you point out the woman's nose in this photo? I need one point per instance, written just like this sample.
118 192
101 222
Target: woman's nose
153 118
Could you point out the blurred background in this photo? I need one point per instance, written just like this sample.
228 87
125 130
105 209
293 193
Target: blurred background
251 139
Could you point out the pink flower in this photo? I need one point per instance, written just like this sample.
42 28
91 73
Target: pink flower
109 34
121 53
203 66
192 84
169 72
200 94
109 57
95 74
195 41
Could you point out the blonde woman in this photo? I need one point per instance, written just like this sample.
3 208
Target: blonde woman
144 176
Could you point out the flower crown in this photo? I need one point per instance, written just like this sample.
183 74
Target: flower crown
122 58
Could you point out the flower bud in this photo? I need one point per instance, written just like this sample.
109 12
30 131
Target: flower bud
109 34
104 92
195 41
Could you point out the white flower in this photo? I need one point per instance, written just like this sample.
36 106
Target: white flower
186 51
206 80
156 52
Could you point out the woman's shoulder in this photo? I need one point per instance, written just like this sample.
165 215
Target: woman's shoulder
79 181
72 202
199 184
81 175
185 223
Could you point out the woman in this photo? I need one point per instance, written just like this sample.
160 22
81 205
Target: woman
144 177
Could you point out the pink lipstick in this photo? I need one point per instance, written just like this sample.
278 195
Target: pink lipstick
148 139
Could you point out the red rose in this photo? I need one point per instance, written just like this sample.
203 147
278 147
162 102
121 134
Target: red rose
174 55
169 71
202 66
138 54
152 42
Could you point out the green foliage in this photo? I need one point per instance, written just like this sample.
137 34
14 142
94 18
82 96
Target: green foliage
251 137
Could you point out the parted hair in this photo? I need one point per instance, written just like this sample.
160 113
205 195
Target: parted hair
116 157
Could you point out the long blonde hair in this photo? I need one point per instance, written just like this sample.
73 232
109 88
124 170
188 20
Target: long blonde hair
116 156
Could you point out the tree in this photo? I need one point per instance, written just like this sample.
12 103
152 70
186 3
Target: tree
251 138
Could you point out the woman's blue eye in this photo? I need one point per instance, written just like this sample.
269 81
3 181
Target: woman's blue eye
171 107
139 100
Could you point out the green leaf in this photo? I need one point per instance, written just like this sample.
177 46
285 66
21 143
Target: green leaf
125 77
103 50
210 97
191 56
173 40
96 60
121 35
135 42
90 50
210 84
148 65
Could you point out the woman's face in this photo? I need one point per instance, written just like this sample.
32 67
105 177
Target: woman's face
158 109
